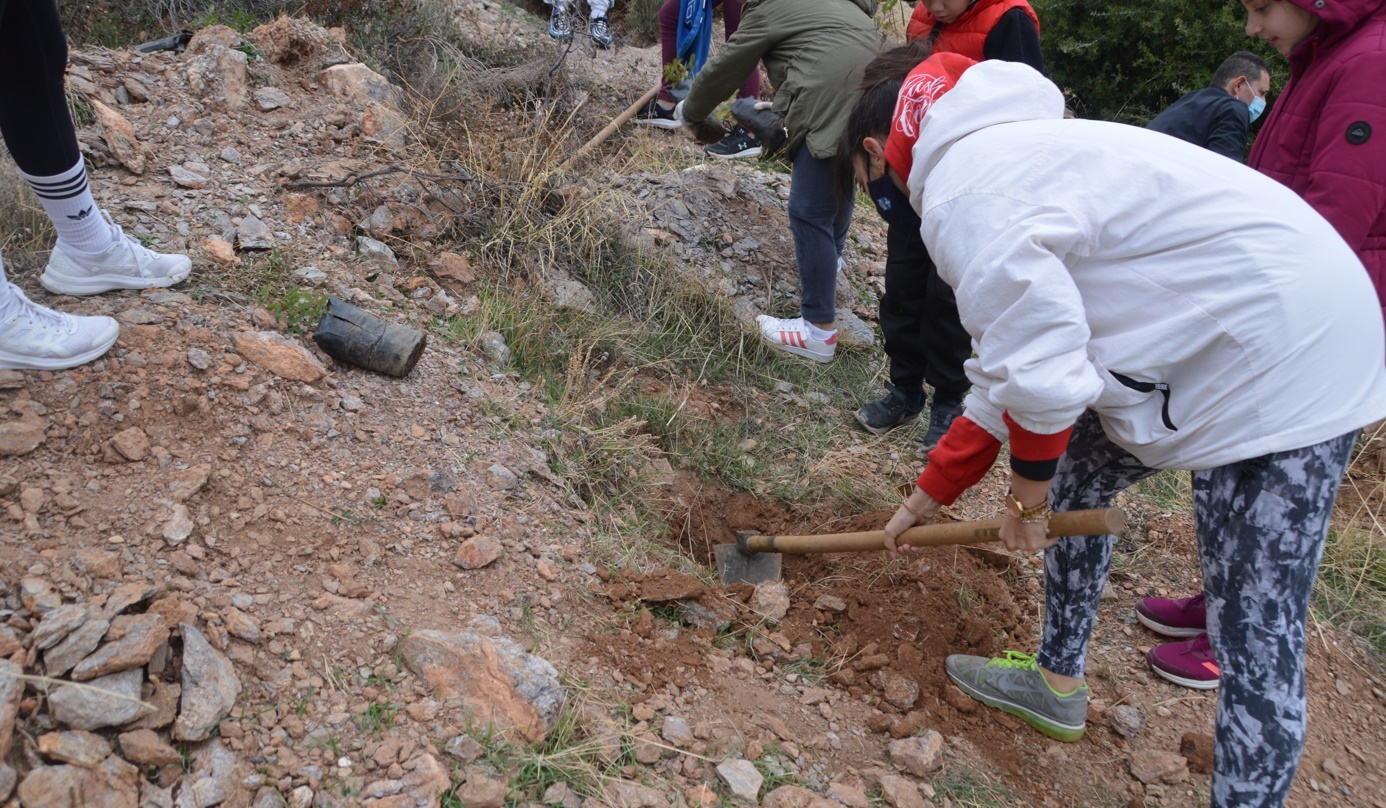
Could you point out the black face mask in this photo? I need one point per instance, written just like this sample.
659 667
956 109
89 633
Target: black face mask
892 203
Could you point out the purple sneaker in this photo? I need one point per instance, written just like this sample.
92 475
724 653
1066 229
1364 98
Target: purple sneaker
1182 617
1189 663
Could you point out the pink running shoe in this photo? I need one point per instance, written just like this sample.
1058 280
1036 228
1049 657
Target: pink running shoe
1189 663
1183 617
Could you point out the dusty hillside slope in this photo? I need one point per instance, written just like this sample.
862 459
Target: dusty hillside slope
295 582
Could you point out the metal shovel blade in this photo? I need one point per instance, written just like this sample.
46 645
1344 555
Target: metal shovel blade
735 566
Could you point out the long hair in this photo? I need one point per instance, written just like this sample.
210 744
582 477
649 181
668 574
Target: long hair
870 116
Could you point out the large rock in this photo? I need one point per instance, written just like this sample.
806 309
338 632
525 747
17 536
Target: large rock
428 781
106 702
359 84
477 552
39 595
279 355
164 700
626 794
75 646
900 792
131 444
848 795
11 690
119 136
920 755
743 779
220 76
184 484
78 748
212 37
210 687
852 332
144 747
480 790
113 784
376 254
125 596
1197 747
796 797
900 691
215 778
180 525
1125 720
57 624
1158 766
132 642
516 693
253 234
21 436
770 600
290 41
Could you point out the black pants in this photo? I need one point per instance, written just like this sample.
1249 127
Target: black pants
924 338
34 117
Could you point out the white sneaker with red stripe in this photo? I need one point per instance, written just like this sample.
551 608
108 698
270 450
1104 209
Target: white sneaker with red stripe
796 337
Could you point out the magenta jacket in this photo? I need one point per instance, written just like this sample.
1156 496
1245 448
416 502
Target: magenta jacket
1326 136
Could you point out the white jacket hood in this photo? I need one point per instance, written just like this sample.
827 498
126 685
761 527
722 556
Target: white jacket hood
989 93
1204 311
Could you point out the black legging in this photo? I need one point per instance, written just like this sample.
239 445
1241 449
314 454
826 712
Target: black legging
34 117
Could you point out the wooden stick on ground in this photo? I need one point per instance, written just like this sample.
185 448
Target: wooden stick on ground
617 122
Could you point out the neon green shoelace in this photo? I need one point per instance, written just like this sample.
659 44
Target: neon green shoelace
1015 659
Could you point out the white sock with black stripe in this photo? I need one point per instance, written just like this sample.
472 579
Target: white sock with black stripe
67 199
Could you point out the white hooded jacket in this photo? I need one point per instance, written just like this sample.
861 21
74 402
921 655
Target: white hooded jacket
1083 249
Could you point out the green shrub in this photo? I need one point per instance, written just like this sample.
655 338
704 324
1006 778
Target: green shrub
1125 60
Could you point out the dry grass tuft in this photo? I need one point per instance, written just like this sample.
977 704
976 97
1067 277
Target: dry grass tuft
26 235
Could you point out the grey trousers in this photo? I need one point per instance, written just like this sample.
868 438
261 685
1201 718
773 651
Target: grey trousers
819 221
1261 527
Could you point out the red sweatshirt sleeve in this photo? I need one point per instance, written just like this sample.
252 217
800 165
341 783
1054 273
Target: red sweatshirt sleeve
1033 446
962 458
967 453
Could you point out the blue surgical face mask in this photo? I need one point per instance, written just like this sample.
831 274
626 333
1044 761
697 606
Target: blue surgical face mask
892 203
1257 106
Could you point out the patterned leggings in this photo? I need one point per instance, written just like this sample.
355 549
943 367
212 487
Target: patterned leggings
1261 526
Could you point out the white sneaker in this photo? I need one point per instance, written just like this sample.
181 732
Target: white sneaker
34 337
794 337
126 264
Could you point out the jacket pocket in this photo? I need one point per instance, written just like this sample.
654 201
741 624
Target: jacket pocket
1135 412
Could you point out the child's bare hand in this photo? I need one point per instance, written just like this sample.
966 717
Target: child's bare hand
919 508
1025 537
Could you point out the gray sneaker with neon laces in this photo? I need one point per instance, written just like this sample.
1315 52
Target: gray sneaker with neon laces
1013 683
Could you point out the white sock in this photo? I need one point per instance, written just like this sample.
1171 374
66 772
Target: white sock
818 333
67 199
598 8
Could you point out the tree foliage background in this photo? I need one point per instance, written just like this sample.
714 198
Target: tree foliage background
1125 60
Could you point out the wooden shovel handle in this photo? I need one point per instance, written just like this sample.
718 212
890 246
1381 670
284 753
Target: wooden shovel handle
1094 522
616 122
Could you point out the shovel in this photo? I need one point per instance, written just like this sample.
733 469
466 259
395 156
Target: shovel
755 558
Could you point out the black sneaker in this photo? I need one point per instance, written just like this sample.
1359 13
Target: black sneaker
941 417
600 29
737 144
879 417
560 24
652 114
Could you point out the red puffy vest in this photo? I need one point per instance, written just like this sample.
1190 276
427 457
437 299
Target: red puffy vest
968 34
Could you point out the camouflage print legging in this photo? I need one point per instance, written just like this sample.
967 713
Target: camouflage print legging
1261 526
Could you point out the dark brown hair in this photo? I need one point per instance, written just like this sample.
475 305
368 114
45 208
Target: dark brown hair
870 116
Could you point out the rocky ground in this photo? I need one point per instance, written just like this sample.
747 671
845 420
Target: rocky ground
235 572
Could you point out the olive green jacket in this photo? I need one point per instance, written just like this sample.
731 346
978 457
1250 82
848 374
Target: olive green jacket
813 52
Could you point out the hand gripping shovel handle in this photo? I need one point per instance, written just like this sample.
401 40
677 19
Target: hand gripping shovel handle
1094 522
